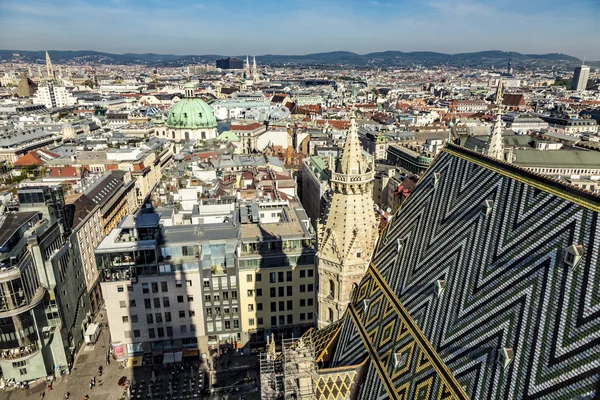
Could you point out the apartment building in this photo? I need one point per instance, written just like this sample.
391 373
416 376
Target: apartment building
277 270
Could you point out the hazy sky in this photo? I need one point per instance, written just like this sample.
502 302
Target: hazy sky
237 27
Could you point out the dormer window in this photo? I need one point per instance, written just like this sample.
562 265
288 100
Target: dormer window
441 287
366 305
574 255
184 115
400 360
398 245
486 207
436 179
505 356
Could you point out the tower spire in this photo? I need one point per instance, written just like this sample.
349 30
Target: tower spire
495 148
49 69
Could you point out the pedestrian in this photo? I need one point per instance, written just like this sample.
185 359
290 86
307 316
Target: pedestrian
67 395
42 395
90 385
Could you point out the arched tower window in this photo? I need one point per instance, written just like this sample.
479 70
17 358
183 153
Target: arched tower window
173 134
331 288
203 135
330 315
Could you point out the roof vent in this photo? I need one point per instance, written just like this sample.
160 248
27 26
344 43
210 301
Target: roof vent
574 254
366 304
400 359
399 243
505 356
441 287
486 208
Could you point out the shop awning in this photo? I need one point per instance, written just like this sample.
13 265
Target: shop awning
136 361
178 356
119 351
168 358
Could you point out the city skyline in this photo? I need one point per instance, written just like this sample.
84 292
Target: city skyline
310 27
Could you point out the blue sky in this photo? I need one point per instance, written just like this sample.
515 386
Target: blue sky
236 27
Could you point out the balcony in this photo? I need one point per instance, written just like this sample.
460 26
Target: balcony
20 352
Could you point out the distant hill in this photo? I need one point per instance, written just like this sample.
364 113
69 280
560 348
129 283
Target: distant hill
499 59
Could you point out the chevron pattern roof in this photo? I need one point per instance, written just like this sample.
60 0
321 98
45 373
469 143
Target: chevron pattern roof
485 285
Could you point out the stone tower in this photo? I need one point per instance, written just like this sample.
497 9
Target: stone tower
348 236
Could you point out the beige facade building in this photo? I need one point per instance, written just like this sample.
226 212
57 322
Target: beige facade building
277 271
348 236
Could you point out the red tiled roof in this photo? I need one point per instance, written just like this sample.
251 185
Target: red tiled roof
249 127
59 172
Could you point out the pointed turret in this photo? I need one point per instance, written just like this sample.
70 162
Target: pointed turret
348 235
495 148
49 69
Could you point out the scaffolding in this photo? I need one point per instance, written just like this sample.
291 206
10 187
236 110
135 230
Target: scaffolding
271 373
299 368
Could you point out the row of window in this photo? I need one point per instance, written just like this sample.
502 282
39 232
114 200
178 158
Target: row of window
280 276
154 286
160 331
166 302
273 292
220 325
216 297
217 311
281 320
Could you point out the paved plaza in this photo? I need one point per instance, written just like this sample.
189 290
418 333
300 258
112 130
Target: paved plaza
236 377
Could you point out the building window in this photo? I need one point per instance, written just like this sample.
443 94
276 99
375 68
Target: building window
302 303
188 283
290 305
164 287
302 288
248 277
273 321
206 283
288 276
282 320
129 288
310 273
310 287
190 298
136 333
207 297
181 314
123 304
23 371
131 303
167 317
157 303
273 292
166 302
236 324
302 316
161 332
125 318
259 306
234 294
282 306
120 289
250 293
227 325
280 276
310 316
259 320
272 277
250 307
192 313
302 273
258 277
183 328
154 287
169 331
251 321
330 315
149 319
180 299
331 289
127 334
145 288
289 291
258 292
273 306
178 284
310 302
151 333
281 291
290 319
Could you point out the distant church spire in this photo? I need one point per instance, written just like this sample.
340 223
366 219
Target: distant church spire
495 147
49 69
254 70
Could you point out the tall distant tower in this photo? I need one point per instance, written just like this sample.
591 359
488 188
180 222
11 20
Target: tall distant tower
510 67
254 71
347 238
49 69
495 148
580 77
247 74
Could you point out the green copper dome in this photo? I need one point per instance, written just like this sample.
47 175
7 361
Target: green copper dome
191 113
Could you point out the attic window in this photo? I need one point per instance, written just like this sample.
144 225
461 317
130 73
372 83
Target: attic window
184 115
200 115
366 304
436 179
505 356
400 360
574 254
398 245
486 207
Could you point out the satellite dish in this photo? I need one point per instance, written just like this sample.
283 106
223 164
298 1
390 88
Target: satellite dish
389 210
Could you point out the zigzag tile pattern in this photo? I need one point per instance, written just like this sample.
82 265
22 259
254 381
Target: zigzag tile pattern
506 286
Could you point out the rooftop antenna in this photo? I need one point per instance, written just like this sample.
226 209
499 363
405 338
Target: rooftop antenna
583 63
